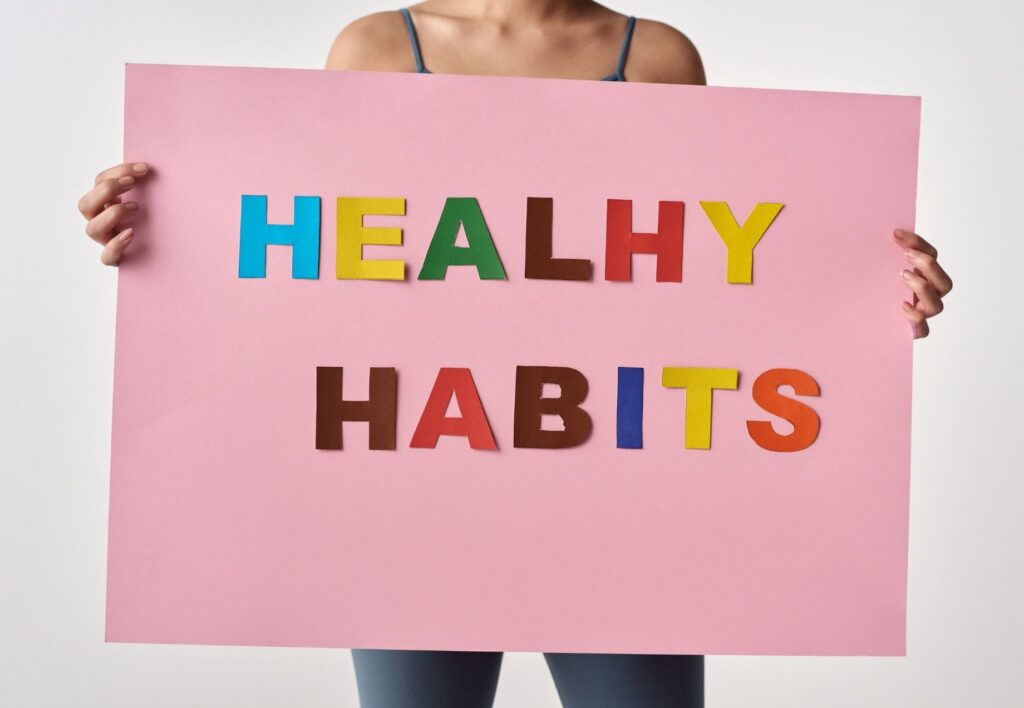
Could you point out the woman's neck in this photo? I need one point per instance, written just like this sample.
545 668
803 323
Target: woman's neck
527 11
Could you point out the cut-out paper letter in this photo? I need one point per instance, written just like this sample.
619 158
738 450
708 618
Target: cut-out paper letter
352 236
540 263
380 410
531 407
804 419
442 252
256 234
621 242
740 241
472 423
629 420
699 384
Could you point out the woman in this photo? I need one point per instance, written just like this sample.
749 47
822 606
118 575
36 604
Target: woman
538 38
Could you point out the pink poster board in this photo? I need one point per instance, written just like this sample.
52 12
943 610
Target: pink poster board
228 526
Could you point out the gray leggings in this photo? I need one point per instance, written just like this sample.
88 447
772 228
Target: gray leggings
454 679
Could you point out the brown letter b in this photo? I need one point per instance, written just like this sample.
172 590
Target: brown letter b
530 407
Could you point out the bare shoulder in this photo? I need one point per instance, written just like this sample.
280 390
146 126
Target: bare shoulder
659 53
376 42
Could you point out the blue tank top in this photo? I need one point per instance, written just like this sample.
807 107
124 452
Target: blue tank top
620 66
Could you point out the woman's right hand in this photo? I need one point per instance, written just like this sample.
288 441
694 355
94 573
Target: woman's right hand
106 213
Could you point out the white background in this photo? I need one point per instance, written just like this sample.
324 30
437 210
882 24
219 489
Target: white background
60 122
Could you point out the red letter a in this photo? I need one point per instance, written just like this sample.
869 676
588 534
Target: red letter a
473 423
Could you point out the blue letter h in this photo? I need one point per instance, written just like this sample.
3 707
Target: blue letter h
303 236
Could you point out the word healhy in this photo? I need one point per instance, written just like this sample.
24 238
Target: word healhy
381 407
464 212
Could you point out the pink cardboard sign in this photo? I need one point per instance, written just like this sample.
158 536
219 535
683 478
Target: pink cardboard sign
583 429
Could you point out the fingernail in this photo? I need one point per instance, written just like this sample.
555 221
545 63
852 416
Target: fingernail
913 254
899 233
140 167
126 180
906 275
906 307
127 235
131 206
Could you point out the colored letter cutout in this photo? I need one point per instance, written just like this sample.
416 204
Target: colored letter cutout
352 236
256 234
540 264
443 252
380 410
805 420
473 423
629 424
621 243
740 241
699 383
530 407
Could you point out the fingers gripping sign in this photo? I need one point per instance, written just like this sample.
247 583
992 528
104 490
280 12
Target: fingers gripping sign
107 213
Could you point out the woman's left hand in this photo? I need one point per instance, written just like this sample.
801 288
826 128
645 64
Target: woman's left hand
925 278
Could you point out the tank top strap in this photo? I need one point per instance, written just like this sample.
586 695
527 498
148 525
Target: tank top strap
627 38
410 29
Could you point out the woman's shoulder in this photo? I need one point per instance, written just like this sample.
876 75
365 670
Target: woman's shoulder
659 53
375 42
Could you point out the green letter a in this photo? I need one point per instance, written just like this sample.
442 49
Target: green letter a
443 252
